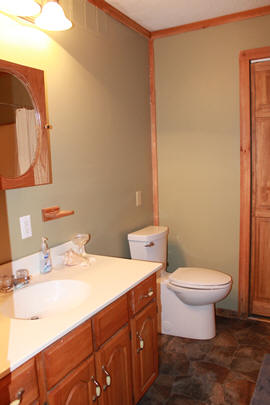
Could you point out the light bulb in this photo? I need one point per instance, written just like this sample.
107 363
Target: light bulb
52 18
20 7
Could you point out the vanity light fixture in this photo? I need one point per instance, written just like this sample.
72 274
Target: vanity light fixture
45 14
52 17
20 7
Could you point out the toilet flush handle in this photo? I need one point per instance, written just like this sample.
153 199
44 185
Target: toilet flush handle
150 244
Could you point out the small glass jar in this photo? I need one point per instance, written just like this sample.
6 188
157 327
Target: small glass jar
5 282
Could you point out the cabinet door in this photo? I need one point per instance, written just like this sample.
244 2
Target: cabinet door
23 380
144 349
77 388
113 367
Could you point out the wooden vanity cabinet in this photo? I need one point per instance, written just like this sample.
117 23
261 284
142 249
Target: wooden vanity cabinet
143 323
111 359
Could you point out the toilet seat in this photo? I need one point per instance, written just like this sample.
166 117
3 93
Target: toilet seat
199 278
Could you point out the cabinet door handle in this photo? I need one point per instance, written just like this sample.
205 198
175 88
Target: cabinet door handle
148 294
141 342
18 399
108 378
98 389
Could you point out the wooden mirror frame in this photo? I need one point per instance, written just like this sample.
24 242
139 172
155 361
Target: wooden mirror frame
40 170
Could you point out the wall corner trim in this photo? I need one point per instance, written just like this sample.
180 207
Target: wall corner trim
153 131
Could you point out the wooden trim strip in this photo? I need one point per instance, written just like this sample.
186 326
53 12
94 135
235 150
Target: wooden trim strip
153 131
242 15
117 15
227 313
41 378
245 174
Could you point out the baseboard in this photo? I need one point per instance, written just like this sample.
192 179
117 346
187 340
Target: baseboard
227 313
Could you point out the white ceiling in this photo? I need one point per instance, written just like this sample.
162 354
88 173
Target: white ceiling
159 14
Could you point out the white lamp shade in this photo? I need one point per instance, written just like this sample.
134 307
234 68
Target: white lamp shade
21 8
52 18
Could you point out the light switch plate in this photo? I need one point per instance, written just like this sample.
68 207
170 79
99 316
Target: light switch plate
26 228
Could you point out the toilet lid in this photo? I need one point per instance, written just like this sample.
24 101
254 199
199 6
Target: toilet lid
149 233
194 277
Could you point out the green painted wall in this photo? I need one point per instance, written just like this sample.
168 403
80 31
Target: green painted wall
97 94
198 143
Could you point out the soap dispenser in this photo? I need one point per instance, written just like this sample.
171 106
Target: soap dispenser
45 260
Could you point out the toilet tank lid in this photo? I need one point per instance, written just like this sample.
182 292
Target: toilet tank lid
194 276
149 233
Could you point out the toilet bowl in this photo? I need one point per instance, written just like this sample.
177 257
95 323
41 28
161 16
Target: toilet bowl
188 297
197 286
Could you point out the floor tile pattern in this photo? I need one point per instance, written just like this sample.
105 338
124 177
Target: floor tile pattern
220 371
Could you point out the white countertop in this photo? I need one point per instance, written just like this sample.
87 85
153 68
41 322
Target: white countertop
108 278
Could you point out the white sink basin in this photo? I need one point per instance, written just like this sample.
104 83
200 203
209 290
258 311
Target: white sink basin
45 299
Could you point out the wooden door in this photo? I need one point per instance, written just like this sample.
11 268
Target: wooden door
113 367
260 234
77 388
144 349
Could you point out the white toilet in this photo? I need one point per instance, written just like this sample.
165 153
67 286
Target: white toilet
188 295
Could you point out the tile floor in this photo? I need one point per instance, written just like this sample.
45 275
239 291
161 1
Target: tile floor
220 371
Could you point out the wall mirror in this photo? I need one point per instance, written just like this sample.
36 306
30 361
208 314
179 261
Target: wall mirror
24 138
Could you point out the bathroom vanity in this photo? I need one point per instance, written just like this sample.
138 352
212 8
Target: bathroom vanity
108 355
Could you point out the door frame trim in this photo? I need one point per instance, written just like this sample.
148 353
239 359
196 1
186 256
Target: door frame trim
245 174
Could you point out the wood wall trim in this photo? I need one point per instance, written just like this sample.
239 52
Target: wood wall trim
243 15
245 174
117 15
227 313
153 131
211 22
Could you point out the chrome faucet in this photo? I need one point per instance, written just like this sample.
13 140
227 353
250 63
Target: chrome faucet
9 283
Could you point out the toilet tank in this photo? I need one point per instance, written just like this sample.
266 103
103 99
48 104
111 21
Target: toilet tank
149 244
